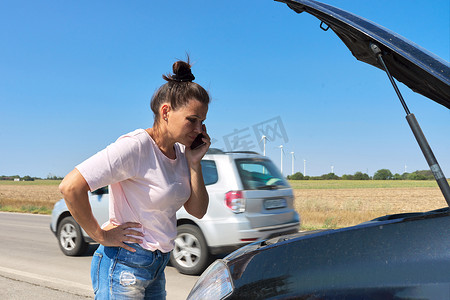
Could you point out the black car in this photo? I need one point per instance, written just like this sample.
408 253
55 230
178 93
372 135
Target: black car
403 256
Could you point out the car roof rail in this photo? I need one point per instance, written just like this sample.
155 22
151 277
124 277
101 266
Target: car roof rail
214 151
219 151
244 152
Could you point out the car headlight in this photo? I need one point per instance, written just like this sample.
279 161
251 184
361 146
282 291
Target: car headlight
215 283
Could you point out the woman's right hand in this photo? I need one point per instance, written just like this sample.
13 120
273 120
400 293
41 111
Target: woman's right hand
75 191
120 235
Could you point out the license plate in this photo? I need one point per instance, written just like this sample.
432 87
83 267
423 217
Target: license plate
274 203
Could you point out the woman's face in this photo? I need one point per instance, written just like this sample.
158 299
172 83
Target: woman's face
185 123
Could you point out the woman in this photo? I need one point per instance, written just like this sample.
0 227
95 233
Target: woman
152 173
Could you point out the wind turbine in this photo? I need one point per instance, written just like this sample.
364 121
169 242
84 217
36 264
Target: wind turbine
281 148
264 138
293 158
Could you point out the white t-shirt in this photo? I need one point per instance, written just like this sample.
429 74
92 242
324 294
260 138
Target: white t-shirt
145 185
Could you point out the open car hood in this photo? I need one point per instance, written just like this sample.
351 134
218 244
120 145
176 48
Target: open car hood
420 70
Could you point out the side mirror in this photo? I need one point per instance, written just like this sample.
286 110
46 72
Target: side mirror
100 191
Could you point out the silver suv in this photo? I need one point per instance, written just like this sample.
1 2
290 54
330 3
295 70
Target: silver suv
249 200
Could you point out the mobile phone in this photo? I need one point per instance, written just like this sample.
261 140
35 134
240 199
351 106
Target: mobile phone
197 142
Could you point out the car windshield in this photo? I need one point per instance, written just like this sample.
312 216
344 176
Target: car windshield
259 174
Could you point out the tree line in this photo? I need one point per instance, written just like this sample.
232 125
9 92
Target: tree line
382 174
29 178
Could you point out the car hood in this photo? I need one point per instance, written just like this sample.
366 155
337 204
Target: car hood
420 70
239 259
377 222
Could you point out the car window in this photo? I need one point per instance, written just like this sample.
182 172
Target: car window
258 174
209 171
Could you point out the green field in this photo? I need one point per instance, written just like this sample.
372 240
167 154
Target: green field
360 184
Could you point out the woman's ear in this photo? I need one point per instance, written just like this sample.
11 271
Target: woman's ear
165 108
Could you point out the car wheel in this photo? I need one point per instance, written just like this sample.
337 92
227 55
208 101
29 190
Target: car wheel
190 255
70 237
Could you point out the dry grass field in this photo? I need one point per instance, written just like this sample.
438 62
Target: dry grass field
31 196
321 204
334 208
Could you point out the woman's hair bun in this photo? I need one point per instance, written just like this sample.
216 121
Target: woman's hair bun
178 90
181 72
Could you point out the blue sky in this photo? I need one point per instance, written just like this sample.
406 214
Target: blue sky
75 75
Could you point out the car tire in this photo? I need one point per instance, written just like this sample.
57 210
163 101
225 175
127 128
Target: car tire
190 255
70 237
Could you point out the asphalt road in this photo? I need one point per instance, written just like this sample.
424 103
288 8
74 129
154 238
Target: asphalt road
33 267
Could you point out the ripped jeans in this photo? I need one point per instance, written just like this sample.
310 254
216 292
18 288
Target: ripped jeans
117 273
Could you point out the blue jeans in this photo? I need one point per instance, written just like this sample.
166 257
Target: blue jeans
117 273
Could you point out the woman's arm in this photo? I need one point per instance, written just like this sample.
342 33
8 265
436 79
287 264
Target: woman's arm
197 204
75 191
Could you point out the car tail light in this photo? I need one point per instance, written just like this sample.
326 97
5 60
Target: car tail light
249 240
235 201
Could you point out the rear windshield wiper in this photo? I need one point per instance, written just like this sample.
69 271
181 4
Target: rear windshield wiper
269 187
